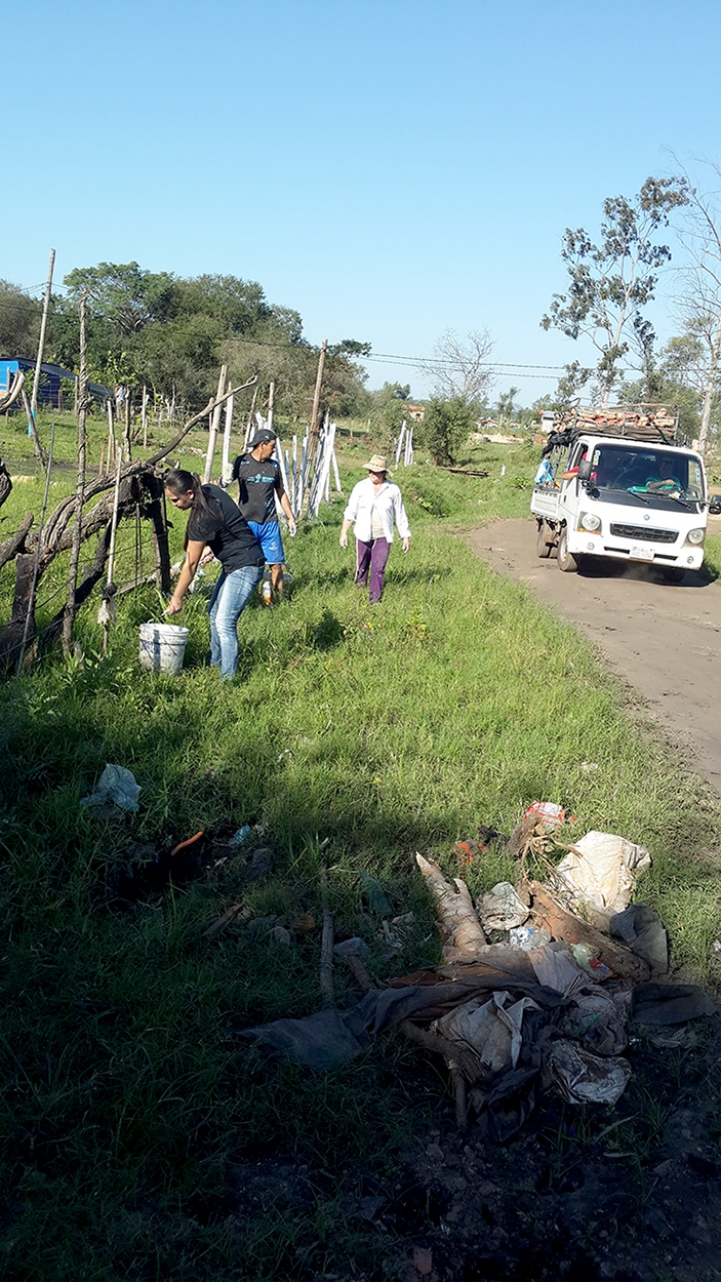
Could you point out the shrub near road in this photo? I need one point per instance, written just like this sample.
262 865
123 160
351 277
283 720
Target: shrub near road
141 1138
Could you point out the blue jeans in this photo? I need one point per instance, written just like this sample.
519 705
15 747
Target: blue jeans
230 597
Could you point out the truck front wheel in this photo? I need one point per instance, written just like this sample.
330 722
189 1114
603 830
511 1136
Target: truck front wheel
566 561
673 573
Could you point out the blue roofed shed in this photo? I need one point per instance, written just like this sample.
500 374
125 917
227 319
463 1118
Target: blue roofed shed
52 378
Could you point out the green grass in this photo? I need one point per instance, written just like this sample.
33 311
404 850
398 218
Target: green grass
134 1115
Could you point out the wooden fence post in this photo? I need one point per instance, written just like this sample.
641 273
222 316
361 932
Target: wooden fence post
69 614
227 439
213 428
144 416
37 446
313 432
126 433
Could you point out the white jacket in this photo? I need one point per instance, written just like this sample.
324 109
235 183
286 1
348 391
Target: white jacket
389 507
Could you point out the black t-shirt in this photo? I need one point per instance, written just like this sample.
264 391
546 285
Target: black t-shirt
225 531
257 485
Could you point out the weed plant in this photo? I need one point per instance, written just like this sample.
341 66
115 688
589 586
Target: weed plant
142 1136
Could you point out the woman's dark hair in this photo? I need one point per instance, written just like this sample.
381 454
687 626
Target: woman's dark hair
178 481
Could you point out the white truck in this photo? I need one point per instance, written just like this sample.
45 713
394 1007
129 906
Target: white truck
615 484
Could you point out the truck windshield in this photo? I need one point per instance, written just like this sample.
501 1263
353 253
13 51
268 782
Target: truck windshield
647 471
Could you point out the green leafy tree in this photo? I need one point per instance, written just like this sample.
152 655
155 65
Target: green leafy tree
674 381
506 406
19 321
446 426
388 408
613 282
166 331
124 294
344 379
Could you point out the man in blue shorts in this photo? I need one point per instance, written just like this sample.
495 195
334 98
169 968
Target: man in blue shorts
259 481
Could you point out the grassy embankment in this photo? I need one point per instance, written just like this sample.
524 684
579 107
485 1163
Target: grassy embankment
131 1107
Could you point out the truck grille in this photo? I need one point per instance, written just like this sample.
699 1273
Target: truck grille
645 532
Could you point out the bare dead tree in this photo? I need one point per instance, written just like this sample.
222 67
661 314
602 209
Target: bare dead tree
460 367
6 484
700 304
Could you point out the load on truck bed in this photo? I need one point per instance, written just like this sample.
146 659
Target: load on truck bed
615 483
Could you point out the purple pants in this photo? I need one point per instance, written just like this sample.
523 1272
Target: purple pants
372 555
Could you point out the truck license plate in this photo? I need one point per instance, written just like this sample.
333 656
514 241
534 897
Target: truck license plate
640 553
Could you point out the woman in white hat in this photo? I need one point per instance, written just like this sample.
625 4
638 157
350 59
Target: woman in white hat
374 506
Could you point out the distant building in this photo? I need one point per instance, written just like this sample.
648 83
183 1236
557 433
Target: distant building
52 377
416 412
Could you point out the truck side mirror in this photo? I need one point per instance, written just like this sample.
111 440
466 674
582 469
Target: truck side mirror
584 470
714 506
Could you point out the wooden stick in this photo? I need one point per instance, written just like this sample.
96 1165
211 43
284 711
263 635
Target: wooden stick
313 431
111 433
459 1093
144 416
359 972
249 424
37 447
126 434
569 929
214 425
462 932
294 480
227 435
326 951
30 615
114 518
70 605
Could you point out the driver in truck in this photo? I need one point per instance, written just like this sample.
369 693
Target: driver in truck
665 482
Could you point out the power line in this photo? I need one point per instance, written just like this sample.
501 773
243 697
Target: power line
456 363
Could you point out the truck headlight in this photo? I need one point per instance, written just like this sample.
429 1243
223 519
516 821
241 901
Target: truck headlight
696 536
589 521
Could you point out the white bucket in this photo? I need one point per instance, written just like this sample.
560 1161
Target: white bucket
162 646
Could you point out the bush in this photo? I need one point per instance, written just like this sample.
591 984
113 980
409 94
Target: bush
446 427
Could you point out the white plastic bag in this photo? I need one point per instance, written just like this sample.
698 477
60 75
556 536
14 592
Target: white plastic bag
598 877
582 1078
116 786
491 1028
501 908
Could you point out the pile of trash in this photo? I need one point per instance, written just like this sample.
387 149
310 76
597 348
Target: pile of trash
538 985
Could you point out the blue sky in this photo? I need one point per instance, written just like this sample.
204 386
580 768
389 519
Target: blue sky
389 168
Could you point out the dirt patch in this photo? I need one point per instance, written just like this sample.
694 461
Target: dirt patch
632 1194
663 639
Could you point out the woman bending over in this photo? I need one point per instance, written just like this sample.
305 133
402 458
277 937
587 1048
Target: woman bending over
216 523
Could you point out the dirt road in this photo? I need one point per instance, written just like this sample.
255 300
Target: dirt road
663 639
